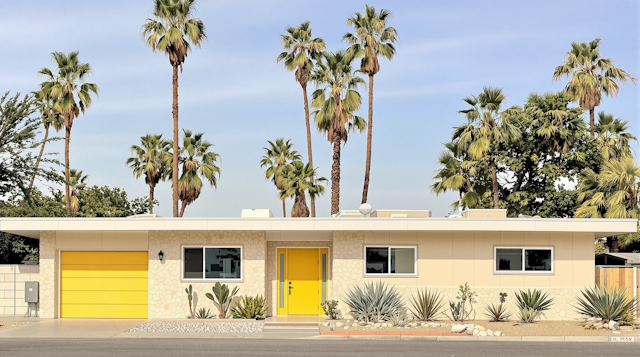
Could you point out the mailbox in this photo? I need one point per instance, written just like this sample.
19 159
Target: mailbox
31 291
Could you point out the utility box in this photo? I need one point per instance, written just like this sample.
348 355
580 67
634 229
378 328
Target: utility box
31 291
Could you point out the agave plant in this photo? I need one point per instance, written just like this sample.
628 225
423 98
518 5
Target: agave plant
607 304
203 313
528 315
222 298
498 313
399 319
532 303
250 307
373 302
426 304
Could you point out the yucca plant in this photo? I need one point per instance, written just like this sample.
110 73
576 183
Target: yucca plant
607 304
498 313
222 298
426 304
373 302
250 307
532 303
203 313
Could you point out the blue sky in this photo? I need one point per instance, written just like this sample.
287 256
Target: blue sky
233 89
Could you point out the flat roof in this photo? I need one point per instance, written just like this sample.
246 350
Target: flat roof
601 227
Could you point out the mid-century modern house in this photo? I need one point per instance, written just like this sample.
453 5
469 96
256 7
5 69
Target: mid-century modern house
139 267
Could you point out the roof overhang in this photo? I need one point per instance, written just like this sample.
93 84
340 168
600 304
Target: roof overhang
31 227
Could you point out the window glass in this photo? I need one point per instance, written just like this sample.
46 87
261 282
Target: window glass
508 259
377 260
222 263
402 261
193 263
537 259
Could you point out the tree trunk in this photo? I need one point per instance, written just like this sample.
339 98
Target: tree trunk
67 139
300 208
174 179
35 170
592 122
367 168
309 150
494 179
151 189
184 205
335 174
284 209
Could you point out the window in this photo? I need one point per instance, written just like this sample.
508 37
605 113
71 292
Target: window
520 259
390 260
212 263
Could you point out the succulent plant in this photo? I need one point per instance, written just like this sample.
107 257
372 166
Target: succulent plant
373 302
249 307
426 304
607 304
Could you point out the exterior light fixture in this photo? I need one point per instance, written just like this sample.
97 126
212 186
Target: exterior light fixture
160 255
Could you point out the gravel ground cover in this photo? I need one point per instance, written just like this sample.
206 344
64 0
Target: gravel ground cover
236 327
508 328
8 325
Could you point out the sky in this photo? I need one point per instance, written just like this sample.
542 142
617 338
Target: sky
234 91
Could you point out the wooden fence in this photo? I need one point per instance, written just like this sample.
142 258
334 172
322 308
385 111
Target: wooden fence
619 277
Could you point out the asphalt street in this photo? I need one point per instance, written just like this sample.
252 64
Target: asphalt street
247 347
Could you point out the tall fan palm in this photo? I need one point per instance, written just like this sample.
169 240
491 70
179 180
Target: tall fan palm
276 158
488 125
456 174
299 178
372 38
173 31
46 104
336 102
77 181
198 163
300 48
151 159
65 85
591 76
612 136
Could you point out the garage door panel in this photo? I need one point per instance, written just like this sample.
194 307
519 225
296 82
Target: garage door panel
105 297
104 271
104 258
104 311
104 284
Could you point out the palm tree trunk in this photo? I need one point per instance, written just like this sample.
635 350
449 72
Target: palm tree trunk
184 205
67 139
367 169
35 170
494 179
284 209
592 122
174 175
335 174
151 189
309 150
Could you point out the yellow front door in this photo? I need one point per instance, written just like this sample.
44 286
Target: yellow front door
302 280
104 284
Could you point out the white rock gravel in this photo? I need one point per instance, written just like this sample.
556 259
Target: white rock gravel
236 327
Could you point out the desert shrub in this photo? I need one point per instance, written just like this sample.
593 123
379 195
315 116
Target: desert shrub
607 304
399 318
330 308
250 307
222 298
531 304
203 313
462 309
373 302
498 313
426 304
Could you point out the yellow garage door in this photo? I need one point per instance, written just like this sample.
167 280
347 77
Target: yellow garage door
104 284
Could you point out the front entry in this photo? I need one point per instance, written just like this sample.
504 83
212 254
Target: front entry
302 280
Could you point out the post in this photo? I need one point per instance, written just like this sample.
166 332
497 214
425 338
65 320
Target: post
635 286
14 288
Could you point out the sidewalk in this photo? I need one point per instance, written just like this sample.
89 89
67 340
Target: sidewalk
468 338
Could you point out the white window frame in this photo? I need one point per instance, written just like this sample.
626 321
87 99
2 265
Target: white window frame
203 279
523 271
390 274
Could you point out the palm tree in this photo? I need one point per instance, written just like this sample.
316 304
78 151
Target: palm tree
457 174
76 182
67 83
300 48
151 159
197 163
372 38
488 125
591 76
46 104
335 102
299 178
174 31
276 158
612 136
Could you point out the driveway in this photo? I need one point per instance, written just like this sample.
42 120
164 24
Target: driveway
71 328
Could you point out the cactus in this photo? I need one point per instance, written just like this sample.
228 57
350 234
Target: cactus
249 307
189 292
221 298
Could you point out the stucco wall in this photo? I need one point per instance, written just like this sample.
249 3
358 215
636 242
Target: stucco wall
167 297
12 278
448 259
48 275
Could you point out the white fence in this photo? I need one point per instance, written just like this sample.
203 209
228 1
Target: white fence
12 278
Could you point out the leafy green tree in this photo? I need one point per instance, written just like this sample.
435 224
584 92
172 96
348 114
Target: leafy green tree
372 38
65 85
46 104
151 159
591 76
300 49
174 31
336 102
277 156
298 179
198 163
613 136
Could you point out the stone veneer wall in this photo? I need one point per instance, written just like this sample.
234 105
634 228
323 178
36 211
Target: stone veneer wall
167 297
271 277
48 276
348 271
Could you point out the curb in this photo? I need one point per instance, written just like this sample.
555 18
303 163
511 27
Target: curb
434 337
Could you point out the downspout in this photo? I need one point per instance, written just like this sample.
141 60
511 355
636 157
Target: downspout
15 267
635 286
